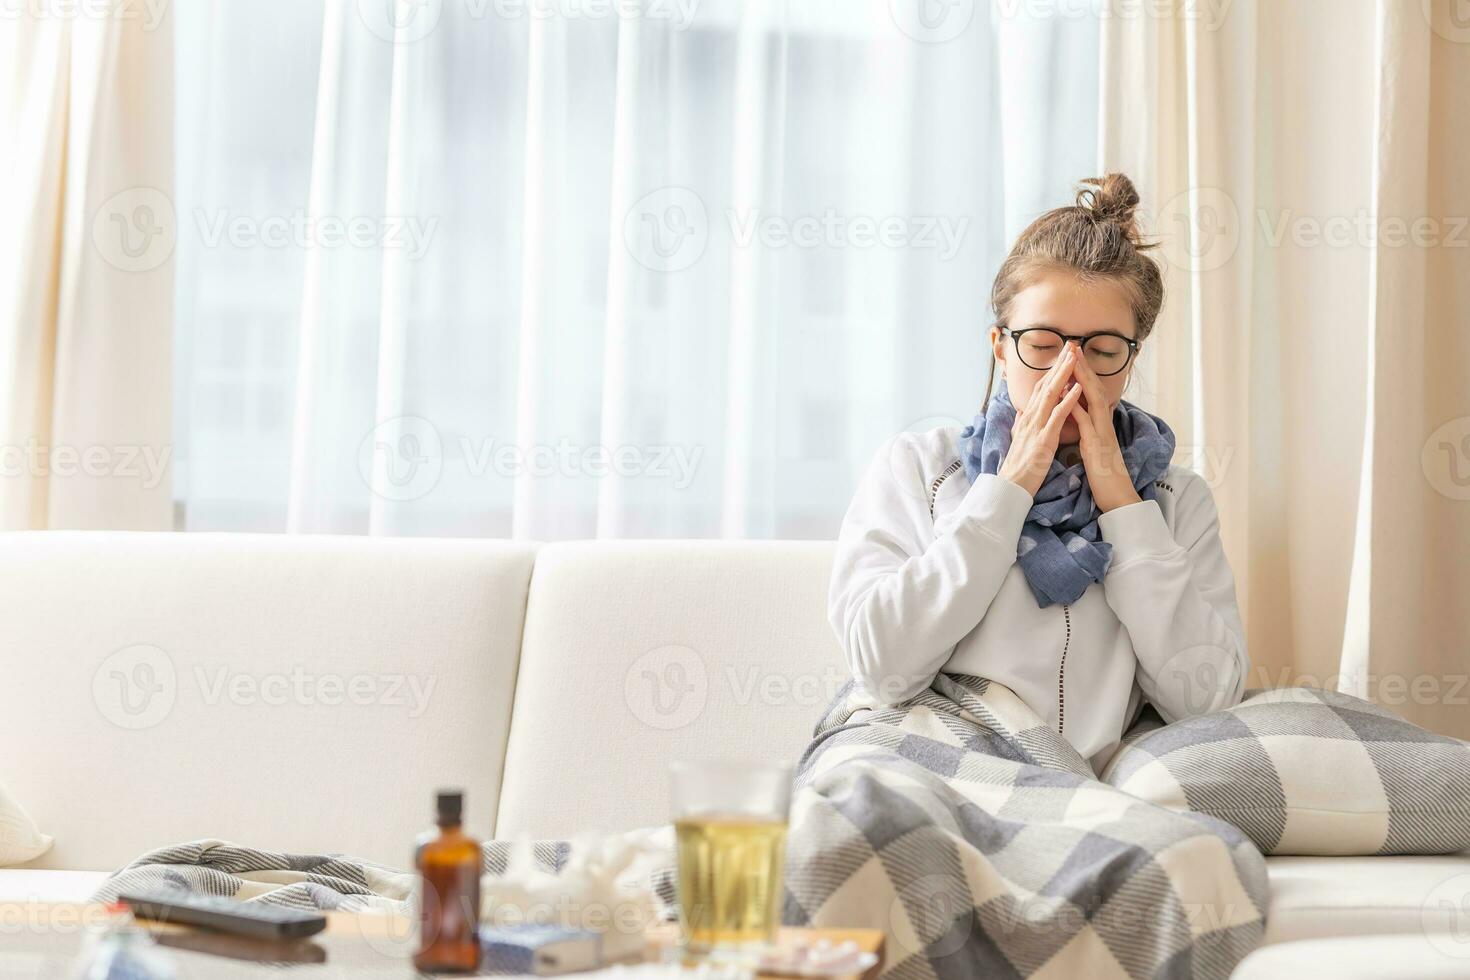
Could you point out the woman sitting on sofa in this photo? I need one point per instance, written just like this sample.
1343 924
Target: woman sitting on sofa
1051 546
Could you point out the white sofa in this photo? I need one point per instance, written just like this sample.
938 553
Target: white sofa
309 693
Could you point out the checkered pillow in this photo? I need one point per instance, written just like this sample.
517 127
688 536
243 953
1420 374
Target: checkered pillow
1307 771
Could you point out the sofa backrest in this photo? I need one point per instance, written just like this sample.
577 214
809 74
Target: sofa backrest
638 653
296 693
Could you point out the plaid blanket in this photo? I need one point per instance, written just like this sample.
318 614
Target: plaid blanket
338 882
982 844
961 825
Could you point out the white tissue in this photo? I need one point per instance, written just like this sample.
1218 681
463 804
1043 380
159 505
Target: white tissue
604 886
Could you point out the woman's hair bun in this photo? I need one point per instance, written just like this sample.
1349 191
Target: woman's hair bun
1111 197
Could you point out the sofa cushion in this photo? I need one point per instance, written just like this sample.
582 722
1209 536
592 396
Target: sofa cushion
295 693
1432 956
1322 897
24 889
20 839
1307 771
638 653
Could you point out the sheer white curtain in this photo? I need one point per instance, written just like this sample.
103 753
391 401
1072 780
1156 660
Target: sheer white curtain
534 269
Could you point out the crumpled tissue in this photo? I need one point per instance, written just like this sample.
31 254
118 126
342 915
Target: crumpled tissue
606 885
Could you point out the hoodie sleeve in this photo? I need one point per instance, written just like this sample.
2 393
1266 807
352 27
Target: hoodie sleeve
1174 592
903 590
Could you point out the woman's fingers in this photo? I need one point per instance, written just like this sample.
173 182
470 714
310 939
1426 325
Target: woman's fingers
1048 391
1062 410
1097 401
1085 428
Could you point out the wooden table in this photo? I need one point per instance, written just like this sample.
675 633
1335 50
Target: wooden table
47 940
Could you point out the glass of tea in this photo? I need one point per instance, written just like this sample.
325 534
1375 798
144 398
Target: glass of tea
730 820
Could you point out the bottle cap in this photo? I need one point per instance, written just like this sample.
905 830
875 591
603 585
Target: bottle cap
450 804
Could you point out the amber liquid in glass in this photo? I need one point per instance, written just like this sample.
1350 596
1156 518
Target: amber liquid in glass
729 879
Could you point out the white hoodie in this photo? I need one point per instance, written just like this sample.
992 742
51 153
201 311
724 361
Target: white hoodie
926 580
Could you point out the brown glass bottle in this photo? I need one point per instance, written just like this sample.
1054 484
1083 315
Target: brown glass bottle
448 861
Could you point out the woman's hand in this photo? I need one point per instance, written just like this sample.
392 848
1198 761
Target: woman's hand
1102 458
1038 427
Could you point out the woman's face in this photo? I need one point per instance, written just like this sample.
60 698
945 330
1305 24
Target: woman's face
1070 306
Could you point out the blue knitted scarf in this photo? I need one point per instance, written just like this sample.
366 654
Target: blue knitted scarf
1060 551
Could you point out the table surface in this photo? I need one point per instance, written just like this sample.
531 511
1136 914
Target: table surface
46 941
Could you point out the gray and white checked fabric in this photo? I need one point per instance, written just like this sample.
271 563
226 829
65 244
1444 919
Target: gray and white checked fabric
959 823
329 882
982 845
1302 770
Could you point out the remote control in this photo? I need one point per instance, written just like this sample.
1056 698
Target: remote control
225 914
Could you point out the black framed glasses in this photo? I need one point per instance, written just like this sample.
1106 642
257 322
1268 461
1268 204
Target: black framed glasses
1039 347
